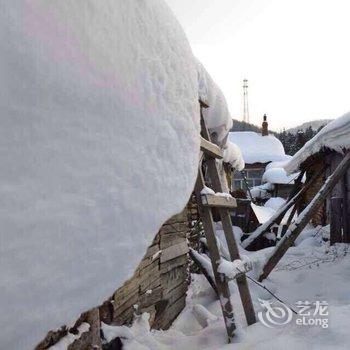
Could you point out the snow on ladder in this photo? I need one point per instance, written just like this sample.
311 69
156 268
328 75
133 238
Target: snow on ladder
206 202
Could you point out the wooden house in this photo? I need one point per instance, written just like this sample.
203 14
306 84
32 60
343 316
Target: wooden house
320 156
258 151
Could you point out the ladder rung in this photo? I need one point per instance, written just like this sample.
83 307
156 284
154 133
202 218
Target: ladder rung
210 149
213 201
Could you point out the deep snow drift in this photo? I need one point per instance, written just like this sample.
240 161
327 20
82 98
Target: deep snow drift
312 271
93 96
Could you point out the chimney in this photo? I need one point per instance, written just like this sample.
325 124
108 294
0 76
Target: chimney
265 127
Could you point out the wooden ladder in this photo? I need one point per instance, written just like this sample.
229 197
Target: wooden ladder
206 202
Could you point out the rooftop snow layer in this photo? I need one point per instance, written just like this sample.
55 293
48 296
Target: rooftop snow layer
94 94
335 136
257 148
275 173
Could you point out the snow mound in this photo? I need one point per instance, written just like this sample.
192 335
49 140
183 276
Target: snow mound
217 116
278 176
263 214
275 203
94 94
257 148
335 136
233 155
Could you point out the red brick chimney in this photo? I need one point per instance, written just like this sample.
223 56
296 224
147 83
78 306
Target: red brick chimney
265 127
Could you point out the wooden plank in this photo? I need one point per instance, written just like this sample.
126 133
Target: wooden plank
149 269
174 251
172 264
305 217
336 220
123 293
227 226
171 313
210 149
220 280
150 297
178 218
151 251
152 284
120 305
92 338
346 203
176 293
148 261
172 239
177 227
173 278
214 201
147 278
125 317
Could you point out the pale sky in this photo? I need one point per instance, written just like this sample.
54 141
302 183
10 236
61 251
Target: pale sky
295 54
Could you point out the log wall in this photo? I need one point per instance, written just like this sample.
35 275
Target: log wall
336 210
158 286
339 215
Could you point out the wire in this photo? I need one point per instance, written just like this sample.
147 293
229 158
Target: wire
262 286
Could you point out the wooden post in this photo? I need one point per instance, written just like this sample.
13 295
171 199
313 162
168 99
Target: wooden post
290 218
336 220
220 280
242 283
305 217
346 216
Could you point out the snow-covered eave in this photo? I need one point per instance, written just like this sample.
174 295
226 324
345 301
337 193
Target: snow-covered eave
333 137
299 164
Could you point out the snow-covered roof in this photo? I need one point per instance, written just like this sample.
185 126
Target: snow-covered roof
276 174
233 155
335 136
257 148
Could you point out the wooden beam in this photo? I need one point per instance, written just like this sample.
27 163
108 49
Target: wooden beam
227 226
210 149
214 201
346 216
220 280
305 217
336 220
174 251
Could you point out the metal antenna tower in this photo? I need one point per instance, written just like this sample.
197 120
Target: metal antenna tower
245 101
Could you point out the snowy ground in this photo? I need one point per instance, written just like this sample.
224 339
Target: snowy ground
311 271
